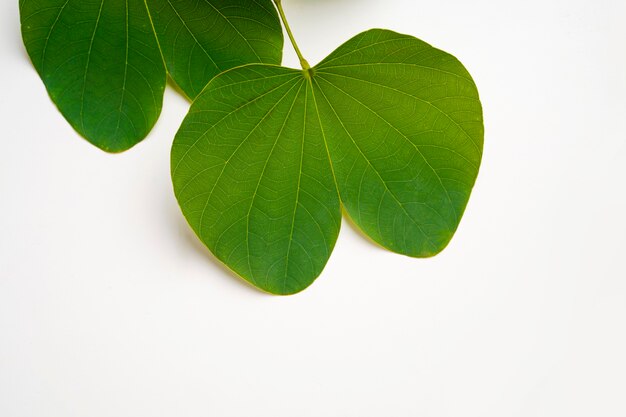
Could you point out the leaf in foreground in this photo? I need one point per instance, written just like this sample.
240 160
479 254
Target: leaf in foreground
387 124
105 68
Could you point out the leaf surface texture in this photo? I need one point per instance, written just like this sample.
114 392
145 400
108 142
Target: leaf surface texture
387 126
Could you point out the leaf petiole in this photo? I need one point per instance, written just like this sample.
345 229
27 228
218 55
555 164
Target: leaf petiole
303 62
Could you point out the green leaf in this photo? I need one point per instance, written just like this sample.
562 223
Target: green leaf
389 123
103 65
201 38
253 177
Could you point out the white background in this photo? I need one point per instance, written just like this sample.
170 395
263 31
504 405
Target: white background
110 306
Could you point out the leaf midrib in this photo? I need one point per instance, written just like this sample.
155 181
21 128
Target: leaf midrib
295 207
93 36
119 117
254 195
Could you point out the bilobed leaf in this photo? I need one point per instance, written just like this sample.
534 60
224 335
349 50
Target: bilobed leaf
387 122
102 64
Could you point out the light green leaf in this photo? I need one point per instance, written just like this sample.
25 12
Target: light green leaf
405 132
391 124
102 64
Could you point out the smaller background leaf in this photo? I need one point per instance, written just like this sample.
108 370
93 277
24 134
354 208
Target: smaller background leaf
201 38
101 65
104 67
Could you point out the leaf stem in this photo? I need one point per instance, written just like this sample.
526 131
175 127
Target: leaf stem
303 62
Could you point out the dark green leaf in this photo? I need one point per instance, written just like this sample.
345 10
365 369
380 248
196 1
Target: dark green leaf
201 38
102 65
399 121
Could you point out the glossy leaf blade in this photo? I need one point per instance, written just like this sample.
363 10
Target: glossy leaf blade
201 38
101 65
405 131
252 176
